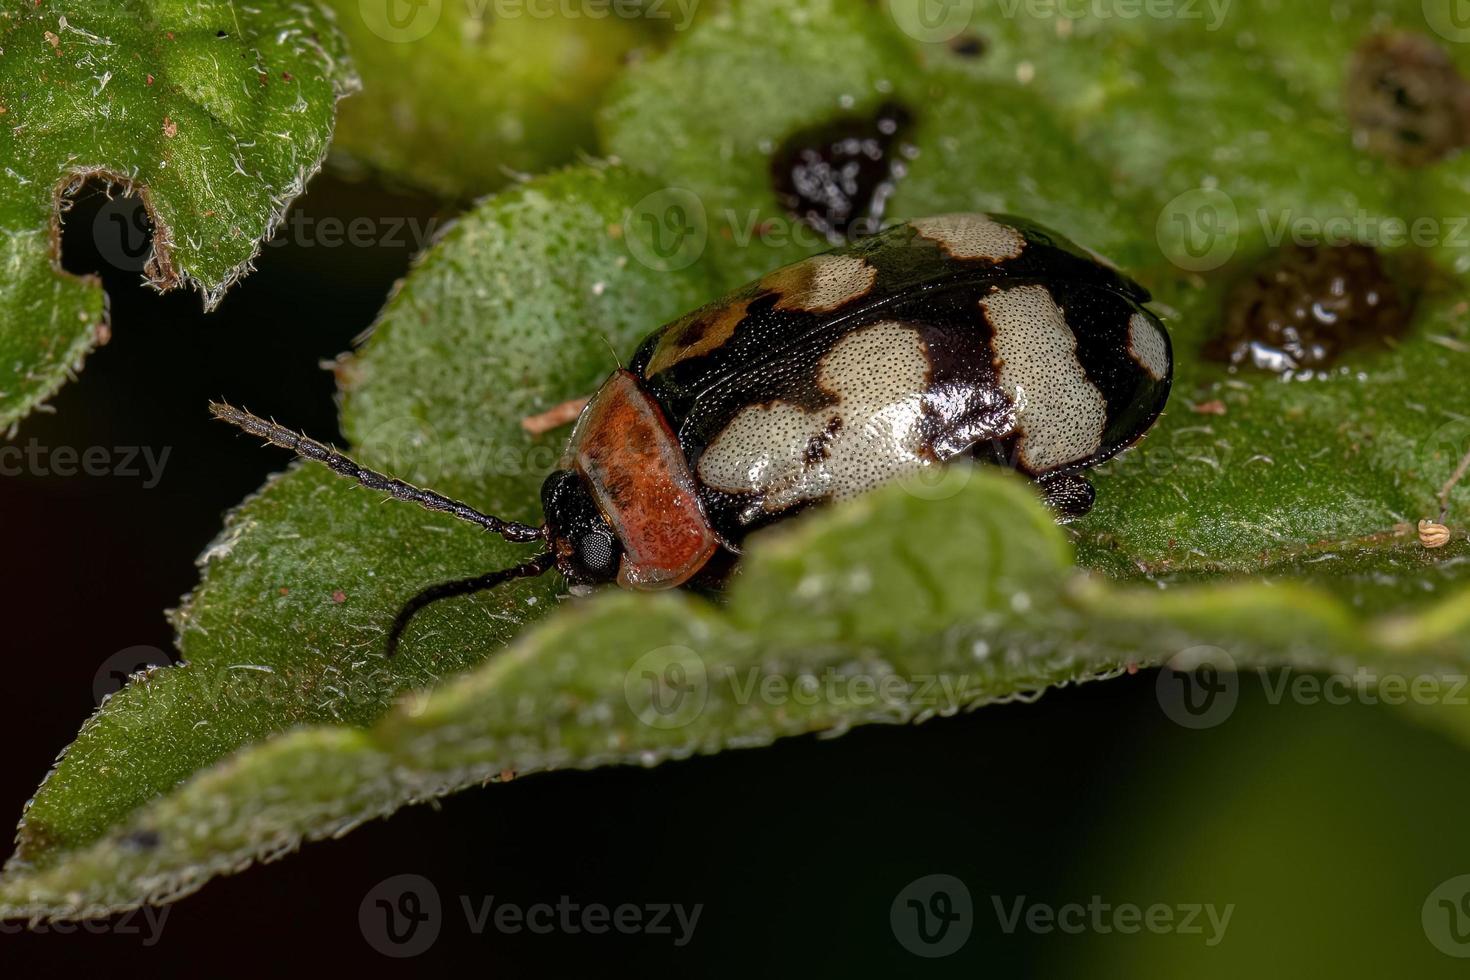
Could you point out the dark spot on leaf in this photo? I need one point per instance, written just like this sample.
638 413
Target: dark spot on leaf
968 45
1303 306
141 840
1406 101
837 177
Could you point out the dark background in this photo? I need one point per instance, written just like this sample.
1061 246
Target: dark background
1325 826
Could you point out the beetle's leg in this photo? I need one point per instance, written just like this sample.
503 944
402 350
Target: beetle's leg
466 586
1068 494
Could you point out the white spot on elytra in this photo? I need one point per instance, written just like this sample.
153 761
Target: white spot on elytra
1146 346
1061 414
823 282
972 236
788 454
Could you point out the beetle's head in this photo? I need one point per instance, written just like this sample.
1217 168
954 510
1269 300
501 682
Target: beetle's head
587 551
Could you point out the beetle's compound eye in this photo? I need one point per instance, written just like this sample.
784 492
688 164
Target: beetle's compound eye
587 552
596 553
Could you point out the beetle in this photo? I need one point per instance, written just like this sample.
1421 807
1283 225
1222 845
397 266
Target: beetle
955 336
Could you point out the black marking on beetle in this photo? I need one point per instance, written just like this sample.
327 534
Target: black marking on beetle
837 177
1406 100
819 447
1304 306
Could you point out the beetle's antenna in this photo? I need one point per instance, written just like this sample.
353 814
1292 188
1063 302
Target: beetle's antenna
613 351
448 590
299 444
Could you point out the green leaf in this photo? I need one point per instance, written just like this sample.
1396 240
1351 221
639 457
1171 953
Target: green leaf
457 99
926 598
510 313
1128 134
216 115
679 117
979 604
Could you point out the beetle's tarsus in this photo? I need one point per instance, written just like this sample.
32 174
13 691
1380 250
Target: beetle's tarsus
1070 495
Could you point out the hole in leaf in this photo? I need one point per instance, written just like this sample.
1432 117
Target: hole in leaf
105 229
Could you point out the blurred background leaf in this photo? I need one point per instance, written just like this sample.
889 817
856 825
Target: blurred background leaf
458 99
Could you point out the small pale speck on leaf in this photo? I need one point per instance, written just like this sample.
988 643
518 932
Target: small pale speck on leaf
339 597
1432 534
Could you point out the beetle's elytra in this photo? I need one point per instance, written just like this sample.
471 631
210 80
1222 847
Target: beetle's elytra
961 335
